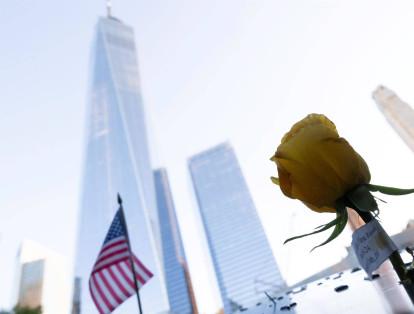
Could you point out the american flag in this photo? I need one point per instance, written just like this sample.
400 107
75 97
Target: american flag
112 281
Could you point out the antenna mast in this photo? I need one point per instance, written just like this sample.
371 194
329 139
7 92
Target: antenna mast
108 7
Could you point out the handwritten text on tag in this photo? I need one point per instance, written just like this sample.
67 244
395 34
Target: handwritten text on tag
372 246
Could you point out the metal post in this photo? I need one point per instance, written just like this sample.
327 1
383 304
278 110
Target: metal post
130 253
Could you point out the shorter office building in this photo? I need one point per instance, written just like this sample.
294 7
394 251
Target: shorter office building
177 276
242 258
43 279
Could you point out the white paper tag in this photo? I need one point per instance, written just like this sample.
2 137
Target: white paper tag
372 246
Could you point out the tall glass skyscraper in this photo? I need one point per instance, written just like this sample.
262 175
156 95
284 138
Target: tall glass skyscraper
117 161
398 113
242 258
180 293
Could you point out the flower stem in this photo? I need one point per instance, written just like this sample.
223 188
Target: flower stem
406 276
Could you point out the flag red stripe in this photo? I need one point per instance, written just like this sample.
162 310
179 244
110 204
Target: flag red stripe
102 294
98 305
128 287
137 275
110 262
102 259
140 280
115 262
115 242
112 249
118 283
102 304
108 294
146 271
110 289
126 277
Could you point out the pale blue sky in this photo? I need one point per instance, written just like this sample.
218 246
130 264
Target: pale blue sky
238 70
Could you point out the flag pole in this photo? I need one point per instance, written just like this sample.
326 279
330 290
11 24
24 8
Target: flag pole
130 253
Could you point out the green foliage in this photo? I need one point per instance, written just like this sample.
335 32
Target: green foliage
362 199
342 216
389 190
27 310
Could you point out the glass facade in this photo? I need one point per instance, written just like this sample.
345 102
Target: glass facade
117 161
242 258
179 286
31 284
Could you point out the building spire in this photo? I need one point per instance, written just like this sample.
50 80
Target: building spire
108 7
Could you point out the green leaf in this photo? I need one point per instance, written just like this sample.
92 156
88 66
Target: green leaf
339 222
332 223
340 226
388 190
323 228
275 180
362 199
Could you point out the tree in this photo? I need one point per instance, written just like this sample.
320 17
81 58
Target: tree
27 310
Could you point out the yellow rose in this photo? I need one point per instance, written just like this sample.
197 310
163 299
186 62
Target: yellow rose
317 166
